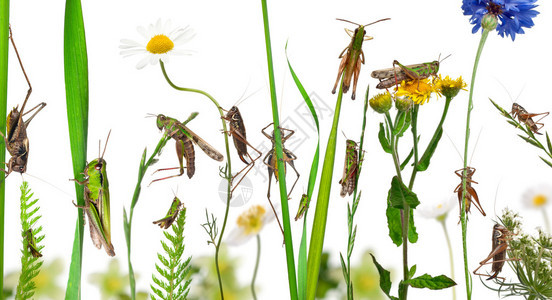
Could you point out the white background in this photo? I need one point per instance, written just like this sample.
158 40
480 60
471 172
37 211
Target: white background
230 58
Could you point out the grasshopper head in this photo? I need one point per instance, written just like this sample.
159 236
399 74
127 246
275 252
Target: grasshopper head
351 144
161 120
17 163
95 166
231 113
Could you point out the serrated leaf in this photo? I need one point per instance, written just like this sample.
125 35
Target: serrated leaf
432 283
385 278
394 224
412 234
384 142
399 194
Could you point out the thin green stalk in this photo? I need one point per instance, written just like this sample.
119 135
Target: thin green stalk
144 165
414 112
4 48
451 258
290 257
393 141
228 169
256 267
321 212
484 36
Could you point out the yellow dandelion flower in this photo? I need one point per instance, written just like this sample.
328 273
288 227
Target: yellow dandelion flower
160 41
250 223
417 90
381 103
450 87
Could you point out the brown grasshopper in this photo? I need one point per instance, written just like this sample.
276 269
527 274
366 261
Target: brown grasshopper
352 57
237 131
17 141
184 147
501 236
527 118
350 170
471 194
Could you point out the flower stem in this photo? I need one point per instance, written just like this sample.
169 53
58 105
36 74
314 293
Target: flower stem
4 49
484 36
447 238
228 169
256 267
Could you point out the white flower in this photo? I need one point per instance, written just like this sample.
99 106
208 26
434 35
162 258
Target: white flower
438 209
159 42
250 223
538 196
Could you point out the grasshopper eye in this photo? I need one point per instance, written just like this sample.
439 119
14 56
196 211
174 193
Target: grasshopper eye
98 166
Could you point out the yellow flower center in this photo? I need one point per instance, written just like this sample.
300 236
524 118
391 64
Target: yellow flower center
160 44
539 200
252 220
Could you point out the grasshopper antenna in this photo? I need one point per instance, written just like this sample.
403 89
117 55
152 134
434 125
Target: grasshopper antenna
150 115
441 60
242 99
508 92
348 21
377 21
105 146
50 184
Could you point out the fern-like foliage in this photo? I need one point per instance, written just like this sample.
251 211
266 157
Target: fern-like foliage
171 284
30 265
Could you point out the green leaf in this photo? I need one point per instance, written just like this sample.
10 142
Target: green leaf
383 139
432 283
529 140
302 259
407 159
406 125
4 50
546 161
548 142
502 111
385 278
399 123
423 163
394 223
412 234
399 194
76 94
412 271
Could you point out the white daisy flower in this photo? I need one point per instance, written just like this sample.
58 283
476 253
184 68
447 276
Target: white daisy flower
160 41
538 196
250 223
438 209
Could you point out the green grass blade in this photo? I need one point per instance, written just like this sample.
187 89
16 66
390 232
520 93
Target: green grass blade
76 91
290 259
321 213
4 48
302 259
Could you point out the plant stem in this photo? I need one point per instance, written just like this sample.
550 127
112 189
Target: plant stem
256 267
484 36
451 258
546 220
290 257
415 141
4 49
228 169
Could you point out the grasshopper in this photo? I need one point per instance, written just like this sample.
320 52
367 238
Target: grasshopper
527 118
303 206
172 214
96 202
399 72
17 141
352 57
501 236
350 170
31 244
237 131
184 147
471 194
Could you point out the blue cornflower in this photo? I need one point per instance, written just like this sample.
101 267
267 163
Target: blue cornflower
511 14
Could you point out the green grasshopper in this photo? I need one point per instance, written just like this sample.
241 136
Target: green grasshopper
393 76
184 147
96 202
303 206
172 214
31 243
350 170
352 57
